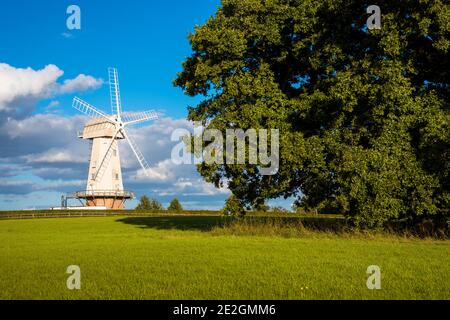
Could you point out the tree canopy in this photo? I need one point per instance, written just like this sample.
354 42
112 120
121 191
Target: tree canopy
363 114
175 206
145 203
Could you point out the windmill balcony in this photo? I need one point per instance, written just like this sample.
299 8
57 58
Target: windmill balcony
104 194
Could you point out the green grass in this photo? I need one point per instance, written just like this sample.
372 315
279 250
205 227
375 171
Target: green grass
194 258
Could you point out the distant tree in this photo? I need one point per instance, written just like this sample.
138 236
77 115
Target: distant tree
155 205
279 210
149 204
298 209
233 206
175 206
263 207
144 203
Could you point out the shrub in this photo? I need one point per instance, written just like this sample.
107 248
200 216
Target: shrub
233 207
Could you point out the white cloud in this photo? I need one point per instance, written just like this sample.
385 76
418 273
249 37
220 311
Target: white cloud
44 140
56 156
58 184
52 104
81 83
28 186
67 35
163 171
21 83
51 172
41 125
168 178
18 84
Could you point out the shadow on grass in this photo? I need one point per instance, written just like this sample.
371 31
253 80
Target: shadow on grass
204 223
208 223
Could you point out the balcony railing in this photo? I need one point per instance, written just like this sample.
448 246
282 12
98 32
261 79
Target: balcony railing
102 194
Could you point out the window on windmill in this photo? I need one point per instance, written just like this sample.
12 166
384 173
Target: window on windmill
117 176
93 176
94 164
114 153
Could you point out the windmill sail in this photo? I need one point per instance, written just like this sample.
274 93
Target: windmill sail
87 109
144 164
114 91
138 117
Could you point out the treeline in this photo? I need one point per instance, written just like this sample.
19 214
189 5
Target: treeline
232 207
150 204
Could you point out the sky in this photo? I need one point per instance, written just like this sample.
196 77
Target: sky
43 65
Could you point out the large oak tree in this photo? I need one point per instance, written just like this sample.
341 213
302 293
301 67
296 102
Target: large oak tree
363 114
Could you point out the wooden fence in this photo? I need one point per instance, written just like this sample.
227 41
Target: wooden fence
75 214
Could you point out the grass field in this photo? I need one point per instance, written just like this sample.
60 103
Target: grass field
191 258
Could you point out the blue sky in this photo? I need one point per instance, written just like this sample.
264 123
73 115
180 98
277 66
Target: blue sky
43 65
145 40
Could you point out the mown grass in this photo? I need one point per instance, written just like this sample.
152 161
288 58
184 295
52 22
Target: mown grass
213 258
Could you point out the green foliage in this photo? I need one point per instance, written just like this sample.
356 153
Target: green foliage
144 203
262 207
175 206
156 205
363 115
298 209
278 209
149 204
233 206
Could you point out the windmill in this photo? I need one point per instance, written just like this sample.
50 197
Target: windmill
104 187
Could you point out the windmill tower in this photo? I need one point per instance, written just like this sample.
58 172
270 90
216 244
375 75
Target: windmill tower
104 187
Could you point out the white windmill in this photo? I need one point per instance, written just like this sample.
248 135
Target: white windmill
104 186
